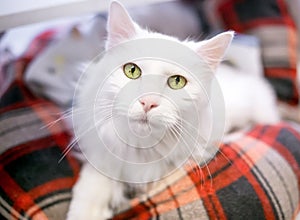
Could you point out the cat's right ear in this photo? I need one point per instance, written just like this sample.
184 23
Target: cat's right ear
120 26
213 50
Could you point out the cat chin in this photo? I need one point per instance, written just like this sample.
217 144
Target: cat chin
141 128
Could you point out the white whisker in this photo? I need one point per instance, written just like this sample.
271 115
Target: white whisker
177 134
79 136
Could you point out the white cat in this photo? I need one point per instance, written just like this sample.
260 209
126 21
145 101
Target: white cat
132 118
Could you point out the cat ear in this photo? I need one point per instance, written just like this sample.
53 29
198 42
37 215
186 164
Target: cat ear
120 26
213 50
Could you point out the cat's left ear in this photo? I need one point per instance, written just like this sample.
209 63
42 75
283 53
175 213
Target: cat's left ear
213 50
120 26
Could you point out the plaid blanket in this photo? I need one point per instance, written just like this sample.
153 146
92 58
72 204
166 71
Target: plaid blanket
34 185
254 177
272 23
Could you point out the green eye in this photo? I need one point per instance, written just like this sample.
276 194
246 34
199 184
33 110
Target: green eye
132 71
177 82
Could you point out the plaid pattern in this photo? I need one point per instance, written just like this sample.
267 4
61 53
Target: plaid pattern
33 184
271 22
255 177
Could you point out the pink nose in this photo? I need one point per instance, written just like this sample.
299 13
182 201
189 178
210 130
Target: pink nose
148 103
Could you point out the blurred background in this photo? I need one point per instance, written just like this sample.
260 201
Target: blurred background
267 38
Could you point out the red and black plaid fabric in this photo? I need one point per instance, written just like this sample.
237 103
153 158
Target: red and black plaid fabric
272 23
254 177
33 183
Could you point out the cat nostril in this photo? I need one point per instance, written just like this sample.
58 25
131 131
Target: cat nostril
153 105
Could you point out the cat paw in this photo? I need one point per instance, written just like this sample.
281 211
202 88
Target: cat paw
92 194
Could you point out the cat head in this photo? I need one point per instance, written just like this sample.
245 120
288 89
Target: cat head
172 80
148 96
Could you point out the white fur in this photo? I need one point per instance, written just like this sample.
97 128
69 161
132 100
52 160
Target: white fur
94 194
248 99
86 204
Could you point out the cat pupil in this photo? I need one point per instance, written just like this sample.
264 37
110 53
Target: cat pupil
132 69
177 79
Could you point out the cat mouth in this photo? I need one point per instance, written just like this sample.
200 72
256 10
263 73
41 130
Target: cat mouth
140 126
143 120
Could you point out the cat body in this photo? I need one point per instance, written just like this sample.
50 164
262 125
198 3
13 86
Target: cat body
249 99
143 110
